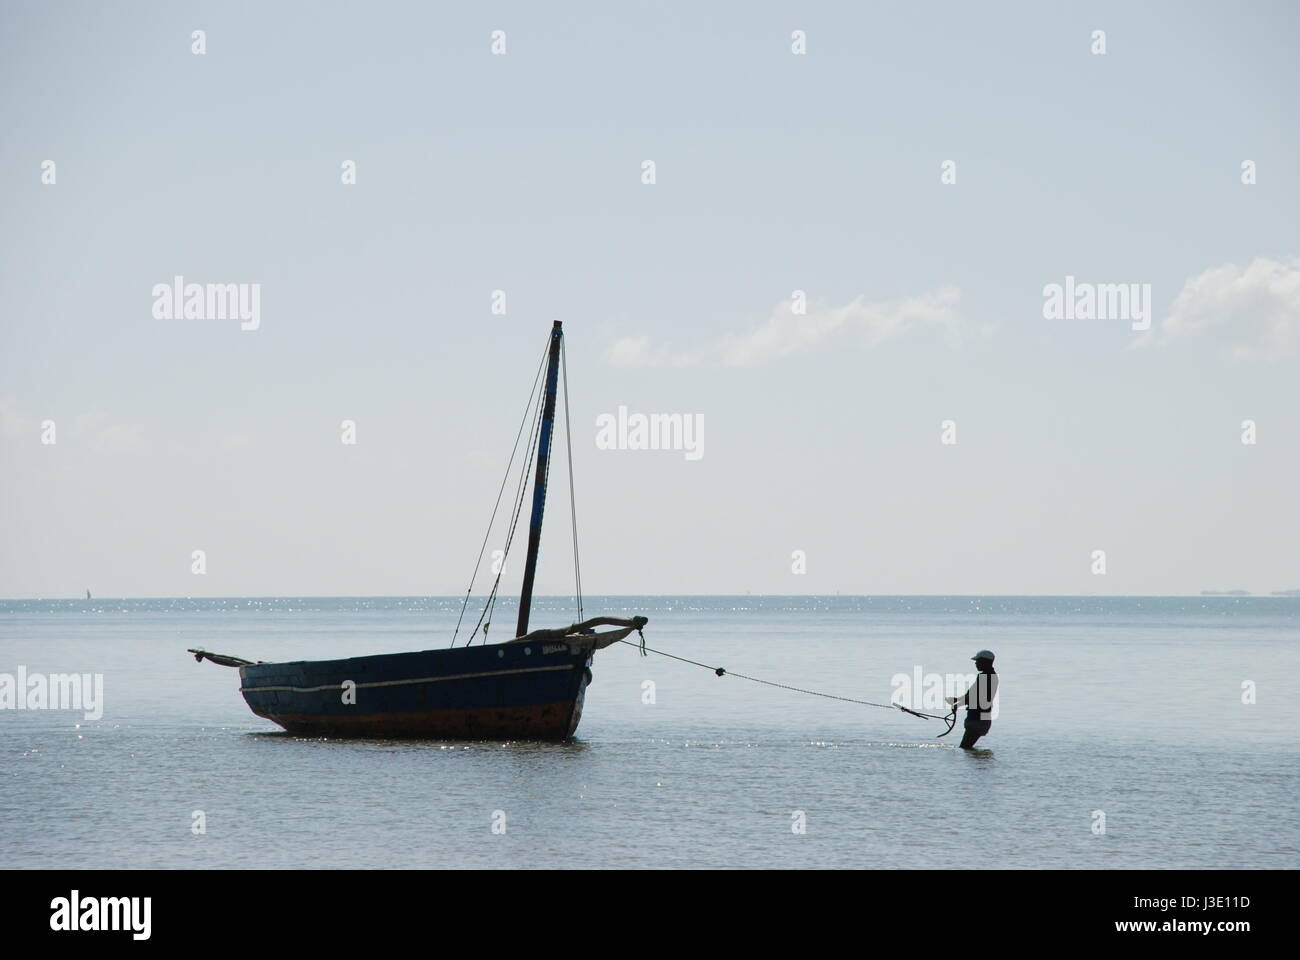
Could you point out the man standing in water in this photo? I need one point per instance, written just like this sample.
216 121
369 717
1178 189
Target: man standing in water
978 700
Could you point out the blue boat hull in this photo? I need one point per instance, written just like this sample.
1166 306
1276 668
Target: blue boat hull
531 691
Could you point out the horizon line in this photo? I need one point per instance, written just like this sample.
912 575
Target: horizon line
1220 595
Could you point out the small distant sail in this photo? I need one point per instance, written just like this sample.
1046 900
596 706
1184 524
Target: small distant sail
87 593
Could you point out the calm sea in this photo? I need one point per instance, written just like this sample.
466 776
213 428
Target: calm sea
1127 712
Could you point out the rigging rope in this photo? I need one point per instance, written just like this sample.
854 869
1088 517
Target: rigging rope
495 507
950 719
521 490
573 503
536 404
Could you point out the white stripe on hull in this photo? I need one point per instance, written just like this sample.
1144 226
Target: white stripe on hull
402 683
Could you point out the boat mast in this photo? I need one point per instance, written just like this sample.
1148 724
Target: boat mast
539 480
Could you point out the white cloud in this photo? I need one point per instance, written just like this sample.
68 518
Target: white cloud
102 435
95 430
120 438
13 423
639 352
1252 309
786 332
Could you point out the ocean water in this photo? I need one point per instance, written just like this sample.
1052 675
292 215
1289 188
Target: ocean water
1127 709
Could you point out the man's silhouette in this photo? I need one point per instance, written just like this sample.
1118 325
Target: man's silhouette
978 700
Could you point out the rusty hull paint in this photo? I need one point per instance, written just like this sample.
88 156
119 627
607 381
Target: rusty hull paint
548 721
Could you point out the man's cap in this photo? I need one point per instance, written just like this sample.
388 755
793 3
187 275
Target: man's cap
983 655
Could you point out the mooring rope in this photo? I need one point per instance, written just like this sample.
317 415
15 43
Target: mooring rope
722 672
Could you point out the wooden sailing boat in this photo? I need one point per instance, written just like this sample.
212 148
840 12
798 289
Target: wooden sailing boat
529 687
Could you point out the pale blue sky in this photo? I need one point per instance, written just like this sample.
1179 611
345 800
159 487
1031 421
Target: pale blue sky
774 173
